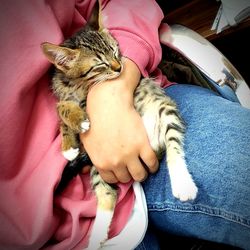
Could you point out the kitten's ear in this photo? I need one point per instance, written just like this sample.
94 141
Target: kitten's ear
96 18
93 20
63 58
100 16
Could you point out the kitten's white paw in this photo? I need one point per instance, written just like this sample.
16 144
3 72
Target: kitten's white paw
71 153
185 189
85 125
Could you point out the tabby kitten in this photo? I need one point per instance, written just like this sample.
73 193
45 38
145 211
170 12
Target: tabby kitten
90 57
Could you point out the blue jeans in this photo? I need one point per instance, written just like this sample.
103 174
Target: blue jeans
217 146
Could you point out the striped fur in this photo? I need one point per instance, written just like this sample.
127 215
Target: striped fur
90 57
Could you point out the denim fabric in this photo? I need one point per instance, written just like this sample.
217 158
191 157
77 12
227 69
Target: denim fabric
217 146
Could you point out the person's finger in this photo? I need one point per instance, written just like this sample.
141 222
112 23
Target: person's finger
108 176
149 159
136 170
122 174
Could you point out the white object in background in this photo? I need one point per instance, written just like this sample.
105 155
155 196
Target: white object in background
217 18
220 22
206 57
230 13
235 10
223 23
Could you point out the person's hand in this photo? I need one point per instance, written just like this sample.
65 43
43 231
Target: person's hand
117 141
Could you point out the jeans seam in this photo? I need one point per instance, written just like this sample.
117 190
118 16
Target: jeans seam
202 209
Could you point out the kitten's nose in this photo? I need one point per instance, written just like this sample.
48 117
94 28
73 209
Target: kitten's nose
116 66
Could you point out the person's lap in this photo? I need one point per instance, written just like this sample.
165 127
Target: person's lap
217 146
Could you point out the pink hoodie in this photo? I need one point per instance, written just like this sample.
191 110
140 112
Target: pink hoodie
31 163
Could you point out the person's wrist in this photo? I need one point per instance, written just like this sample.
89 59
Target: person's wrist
131 73
121 87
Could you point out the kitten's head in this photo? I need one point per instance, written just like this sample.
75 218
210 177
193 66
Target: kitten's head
90 55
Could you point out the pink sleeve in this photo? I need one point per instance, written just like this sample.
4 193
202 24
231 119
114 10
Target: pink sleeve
135 25
31 217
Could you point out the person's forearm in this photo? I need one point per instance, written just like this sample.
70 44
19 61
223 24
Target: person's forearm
116 91
128 81
117 139
131 73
